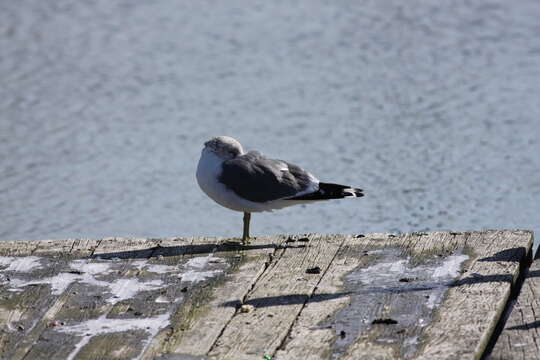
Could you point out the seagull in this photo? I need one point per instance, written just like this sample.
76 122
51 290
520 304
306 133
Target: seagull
250 182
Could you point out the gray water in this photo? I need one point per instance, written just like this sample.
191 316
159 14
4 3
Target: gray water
433 108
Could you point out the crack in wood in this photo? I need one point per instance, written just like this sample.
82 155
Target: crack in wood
267 264
284 340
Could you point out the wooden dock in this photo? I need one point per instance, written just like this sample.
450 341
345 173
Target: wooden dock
439 295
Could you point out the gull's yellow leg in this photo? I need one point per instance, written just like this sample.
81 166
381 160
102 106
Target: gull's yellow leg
245 235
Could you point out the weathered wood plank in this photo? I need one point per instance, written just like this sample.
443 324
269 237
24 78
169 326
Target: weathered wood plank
520 338
277 298
474 304
17 248
82 322
307 340
342 327
33 303
199 322
81 248
29 306
84 308
363 286
319 297
54 247
73 247
27 303
125 248
96 301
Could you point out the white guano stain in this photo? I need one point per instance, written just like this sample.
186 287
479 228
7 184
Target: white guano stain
447 271
123 289
162 300
9 317
450 267
20 263
382 272
103 325
384 275
200 262
198 276
194 268
153 268
91 272
86 272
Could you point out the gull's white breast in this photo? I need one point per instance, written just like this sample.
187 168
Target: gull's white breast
208 172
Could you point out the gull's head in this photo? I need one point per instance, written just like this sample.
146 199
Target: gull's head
224 147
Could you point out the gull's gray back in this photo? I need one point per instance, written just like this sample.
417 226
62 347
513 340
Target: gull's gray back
259 179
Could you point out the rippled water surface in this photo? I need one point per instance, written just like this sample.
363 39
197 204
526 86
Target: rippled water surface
433 108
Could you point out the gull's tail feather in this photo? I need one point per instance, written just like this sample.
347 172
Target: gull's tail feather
330 191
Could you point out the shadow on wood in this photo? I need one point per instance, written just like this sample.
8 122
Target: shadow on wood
513 254
528 326
291 299
196 249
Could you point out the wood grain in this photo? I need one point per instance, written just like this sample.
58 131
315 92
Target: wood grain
200 321
278 297
432 295
473 306
520 338
464 321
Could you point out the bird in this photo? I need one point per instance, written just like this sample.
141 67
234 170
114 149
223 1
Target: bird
250 182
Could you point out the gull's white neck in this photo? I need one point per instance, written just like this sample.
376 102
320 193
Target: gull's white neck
208 173
208 170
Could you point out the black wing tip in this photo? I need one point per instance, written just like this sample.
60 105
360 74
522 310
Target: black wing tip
352 192
359 192
331 191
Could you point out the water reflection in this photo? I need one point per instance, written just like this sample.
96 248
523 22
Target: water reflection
431 108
